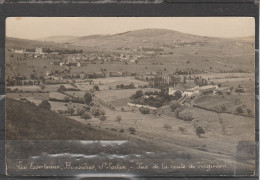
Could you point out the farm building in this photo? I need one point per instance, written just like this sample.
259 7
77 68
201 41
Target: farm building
207 89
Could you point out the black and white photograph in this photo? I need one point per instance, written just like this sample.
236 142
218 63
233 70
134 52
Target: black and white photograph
130 95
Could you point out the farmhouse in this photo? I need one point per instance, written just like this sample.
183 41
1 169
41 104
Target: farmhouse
207 89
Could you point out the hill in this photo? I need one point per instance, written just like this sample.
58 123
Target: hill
58 39
17 43
42 124
180 50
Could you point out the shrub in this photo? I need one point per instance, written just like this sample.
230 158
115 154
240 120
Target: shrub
174 105
61 89
132 130
137 94
186 116
118 119
199 131
177 112
95 88
87 98
144 110
95 111
102 119
86 116
121 130
223 108
167 127
240 90
239 110
249 112
182 129
45 104
122 109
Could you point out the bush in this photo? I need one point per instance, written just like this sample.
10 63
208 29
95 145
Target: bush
174 105
186 116
223 108
121 130
182 129
167 127
118 119
45 104
122 109
144 110
61 89
95 88
177 112
137 94
240 90
87 98
86 116
95 111
249 112
199 131
239 110
132 130
102 119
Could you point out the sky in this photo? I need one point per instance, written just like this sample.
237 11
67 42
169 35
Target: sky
42 27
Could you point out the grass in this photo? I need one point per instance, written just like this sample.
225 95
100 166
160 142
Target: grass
41 124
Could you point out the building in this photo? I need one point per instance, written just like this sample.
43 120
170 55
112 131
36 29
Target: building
38 51
207 89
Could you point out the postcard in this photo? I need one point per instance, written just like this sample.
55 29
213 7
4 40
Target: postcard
130 96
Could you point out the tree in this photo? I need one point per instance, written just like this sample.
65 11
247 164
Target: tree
86 116
132 130
174 105
95 88
199 131
61 89
118 119
45 104
137 94
182 129
144 110
167 127
87 98
186 115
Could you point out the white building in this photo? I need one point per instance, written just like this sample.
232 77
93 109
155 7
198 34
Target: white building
38 51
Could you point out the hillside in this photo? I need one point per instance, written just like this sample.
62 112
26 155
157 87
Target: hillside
205 53
58 39
17 43
41 124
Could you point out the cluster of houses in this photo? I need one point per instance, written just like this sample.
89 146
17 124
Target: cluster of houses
197 90
33 53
